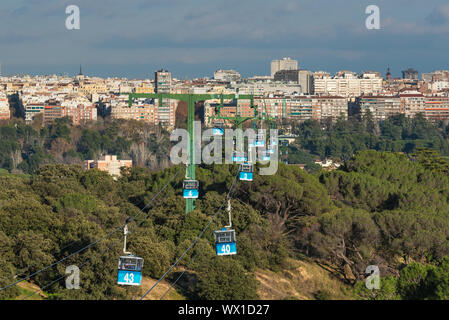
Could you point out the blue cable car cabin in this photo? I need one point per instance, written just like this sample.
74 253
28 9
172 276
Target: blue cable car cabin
190 189
225 243
246 172
239 157
217 129
265 157
260 140
129 270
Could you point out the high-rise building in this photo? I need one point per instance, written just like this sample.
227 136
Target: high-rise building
167 110
162 81
306 81
283 64
303 77
410 74
287 76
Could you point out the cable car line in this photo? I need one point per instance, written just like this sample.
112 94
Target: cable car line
188 266
89 245
195 241
32 265
54 281
62 277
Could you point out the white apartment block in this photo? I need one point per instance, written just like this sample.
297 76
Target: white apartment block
266 88
349 85
439 85
302 108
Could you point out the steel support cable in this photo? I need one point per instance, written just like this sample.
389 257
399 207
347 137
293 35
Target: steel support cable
62 277
92 243
23 270
192 260
194 242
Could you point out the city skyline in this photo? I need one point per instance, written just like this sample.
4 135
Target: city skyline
135 38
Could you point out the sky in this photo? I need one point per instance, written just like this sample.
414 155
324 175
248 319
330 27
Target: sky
193 38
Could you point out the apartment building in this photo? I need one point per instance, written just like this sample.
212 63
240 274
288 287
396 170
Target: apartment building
162 81
347 84
334 107
79 114
229 109
380 106
142 112
303 107
4 107
412 103
436 108
302 77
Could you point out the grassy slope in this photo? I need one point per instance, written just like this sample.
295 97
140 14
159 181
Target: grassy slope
302 281
159 290
28 288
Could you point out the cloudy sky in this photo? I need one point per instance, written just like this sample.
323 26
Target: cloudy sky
193 38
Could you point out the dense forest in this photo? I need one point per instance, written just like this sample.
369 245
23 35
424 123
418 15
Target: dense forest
24 148
381 208
340 140
388 208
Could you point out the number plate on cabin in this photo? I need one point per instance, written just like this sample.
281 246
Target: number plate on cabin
130 278
246 176
190 194
224 249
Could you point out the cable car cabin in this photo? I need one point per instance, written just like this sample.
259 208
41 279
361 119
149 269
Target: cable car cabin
265 157
217 129
129 270
190 189
246 172
271 149
239 157
225 242
260 140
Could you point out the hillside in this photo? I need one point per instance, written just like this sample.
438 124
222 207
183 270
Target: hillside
299 235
